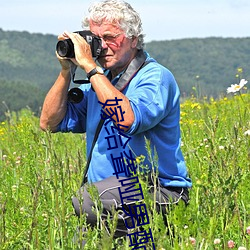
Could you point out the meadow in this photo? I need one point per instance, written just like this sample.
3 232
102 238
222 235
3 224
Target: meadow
40 172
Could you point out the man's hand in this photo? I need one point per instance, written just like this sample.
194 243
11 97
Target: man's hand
66 63
83 54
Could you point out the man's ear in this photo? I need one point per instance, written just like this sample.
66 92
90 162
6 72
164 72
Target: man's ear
134 42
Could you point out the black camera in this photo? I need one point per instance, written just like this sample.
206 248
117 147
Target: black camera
65 48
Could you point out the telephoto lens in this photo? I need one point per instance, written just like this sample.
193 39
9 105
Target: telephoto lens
75 95
65 48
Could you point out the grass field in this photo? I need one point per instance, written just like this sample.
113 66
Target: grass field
40 172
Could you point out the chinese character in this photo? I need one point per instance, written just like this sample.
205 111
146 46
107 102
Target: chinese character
139 238
115 138
139 212
120 166
132 189
111 108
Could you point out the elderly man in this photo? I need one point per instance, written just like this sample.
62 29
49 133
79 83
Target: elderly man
138 101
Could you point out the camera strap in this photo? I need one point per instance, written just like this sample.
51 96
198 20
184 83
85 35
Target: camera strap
136 64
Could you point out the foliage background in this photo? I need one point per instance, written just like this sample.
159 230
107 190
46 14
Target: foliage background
28 66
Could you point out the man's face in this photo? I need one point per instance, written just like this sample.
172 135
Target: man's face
118 50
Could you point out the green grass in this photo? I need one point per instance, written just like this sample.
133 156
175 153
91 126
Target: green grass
40 172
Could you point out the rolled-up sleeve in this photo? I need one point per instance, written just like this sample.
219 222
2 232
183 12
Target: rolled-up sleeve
152 99
75 117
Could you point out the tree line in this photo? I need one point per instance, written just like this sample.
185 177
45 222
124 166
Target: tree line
202 67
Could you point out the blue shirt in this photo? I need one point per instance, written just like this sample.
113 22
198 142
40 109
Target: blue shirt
154 98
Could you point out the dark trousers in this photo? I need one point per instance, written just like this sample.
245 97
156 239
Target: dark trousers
110 198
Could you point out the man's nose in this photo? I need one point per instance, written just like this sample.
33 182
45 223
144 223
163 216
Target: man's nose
104 44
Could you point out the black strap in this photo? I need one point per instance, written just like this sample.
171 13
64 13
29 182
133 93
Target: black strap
97 132
136 64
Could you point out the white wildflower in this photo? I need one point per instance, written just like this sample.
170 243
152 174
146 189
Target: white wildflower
236 87
217 241
247 133
242 248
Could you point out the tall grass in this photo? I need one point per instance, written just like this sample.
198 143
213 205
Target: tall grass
40 172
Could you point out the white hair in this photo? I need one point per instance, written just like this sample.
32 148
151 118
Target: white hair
120 13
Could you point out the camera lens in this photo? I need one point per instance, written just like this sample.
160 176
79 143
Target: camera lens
65 48
75 95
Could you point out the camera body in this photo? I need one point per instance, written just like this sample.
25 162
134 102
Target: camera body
65 48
